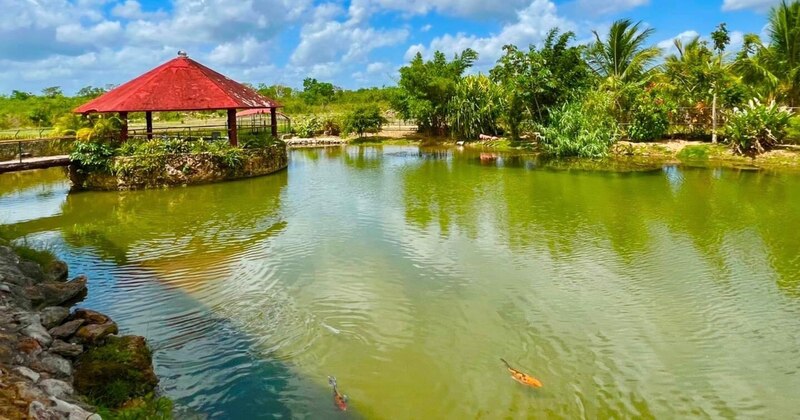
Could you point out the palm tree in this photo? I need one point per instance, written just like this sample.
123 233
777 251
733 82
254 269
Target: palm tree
775 67
623 57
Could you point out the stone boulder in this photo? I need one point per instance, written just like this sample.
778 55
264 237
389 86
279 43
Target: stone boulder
53 316
123 364
65 349
55 294
94 334
90 316
57 271
67 329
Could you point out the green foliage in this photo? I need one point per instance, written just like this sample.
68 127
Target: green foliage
426 88
622 57
476 108
92 156
251 141
582 129
331 126
317 93
308 127
793 130
694 153
534 81
149 407
68 125
649 118
757 127
364 119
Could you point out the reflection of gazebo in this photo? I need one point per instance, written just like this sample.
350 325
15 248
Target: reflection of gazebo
180 84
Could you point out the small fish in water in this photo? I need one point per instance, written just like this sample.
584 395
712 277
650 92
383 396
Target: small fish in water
521 377
331 329
339 399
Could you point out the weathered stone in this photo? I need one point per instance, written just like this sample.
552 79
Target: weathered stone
58 293
56 388
67 329
66 349
56 365
53 316
29 391
57 271
71 411
124 361
95 333
31 347
5 288
32 270
90 316
28 373
39 333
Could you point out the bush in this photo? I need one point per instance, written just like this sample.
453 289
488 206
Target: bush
363 119
649 119
583 129
308 127
92 156
331 126
757 127
475 108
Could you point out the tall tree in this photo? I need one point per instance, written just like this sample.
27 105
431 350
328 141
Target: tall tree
623 56
774 68
426 88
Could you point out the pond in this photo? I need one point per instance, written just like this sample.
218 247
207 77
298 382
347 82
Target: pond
408 273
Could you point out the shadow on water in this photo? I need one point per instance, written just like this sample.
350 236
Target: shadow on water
166 264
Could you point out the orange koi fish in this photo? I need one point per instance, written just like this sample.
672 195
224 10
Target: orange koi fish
521 377
339 399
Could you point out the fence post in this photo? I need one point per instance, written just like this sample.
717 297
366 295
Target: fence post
19 149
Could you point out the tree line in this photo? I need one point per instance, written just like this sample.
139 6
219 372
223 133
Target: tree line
579 99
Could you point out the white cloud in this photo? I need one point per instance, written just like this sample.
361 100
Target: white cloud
103 32
758 5
473 9
532 25
668 45
603 7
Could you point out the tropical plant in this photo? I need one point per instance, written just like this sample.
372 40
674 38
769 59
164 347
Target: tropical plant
581 128
364 119
649 117
757 127
308 127
475 108
92 156
331 126
426 88
622 57
539 79
773 69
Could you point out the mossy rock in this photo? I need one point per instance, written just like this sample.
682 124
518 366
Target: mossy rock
116 372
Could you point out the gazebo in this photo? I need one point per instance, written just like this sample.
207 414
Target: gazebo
180 84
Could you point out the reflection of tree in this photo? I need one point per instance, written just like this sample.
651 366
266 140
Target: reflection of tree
163 224
583 210
14 182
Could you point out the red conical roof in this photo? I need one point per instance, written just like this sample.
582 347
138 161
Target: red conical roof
180 84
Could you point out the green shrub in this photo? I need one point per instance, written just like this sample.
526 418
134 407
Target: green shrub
92 156
583 129
689 153
475 108
793 130
308 127
649 119
757 127
363 119
331 126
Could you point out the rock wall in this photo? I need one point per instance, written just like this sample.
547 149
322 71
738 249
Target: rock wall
48 353
180 169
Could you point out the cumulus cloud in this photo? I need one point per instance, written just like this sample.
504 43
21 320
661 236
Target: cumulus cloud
474 9
668 45
531 26
758 5
603 7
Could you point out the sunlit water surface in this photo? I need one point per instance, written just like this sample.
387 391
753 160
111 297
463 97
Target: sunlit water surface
408 273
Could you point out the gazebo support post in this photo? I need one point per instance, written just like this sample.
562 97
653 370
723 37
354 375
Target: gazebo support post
232 127
148 117
273 116
123 132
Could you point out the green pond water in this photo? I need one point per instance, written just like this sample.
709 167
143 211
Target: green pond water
408 273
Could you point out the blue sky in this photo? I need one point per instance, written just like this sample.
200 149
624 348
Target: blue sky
354 43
